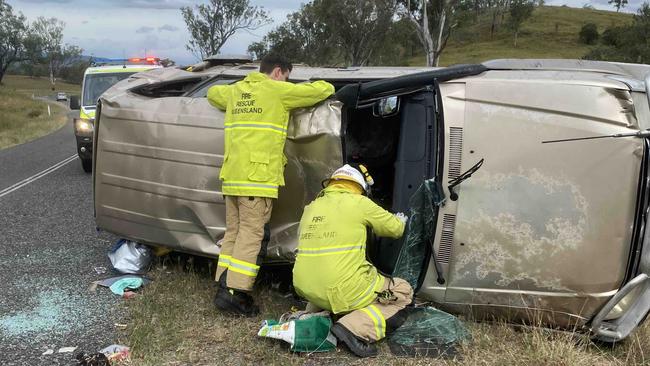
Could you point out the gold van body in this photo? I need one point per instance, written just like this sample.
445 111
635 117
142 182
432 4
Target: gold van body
542 233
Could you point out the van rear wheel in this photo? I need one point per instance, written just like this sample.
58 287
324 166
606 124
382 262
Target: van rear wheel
87 164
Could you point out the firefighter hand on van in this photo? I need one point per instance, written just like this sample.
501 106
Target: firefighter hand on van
403 218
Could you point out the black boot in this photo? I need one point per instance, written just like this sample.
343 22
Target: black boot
356 345
222 281
235 302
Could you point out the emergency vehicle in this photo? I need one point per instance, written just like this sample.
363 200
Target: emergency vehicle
97 79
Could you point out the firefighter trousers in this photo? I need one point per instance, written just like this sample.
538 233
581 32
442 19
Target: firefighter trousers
373 321
241 245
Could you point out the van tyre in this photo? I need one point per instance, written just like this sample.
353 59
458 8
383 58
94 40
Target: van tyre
87 165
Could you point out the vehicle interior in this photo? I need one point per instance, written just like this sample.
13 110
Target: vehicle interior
394 137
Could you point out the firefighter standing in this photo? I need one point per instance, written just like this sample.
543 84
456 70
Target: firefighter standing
333 240
257 114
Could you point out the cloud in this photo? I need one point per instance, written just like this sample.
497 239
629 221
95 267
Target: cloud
145 29
631 7
47 1
150 4
168 27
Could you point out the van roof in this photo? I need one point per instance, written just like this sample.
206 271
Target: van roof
633 71
301 72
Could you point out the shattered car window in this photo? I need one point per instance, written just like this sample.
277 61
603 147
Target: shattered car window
202 92
423 214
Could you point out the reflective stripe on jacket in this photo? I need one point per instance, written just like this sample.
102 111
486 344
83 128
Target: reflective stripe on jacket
257 114
331 269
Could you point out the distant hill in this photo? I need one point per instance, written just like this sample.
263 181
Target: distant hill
552 32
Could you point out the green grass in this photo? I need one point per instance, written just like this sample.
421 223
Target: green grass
24 119
38 86
539 37
173 322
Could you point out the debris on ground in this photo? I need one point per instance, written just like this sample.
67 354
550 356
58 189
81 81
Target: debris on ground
131 283
67 349
305 333
100 270
48 352
116 352
95 359
105 357
428 332
130 257
121 280
129 294
110 281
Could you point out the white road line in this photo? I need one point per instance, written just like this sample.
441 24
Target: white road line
36 176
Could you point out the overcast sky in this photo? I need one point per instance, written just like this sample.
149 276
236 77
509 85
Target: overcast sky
118 28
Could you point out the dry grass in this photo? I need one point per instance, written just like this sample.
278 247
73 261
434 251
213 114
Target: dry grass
173 322
26 85
552 32
24 119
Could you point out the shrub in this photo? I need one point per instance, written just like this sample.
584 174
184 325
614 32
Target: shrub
589 33
34 113
613 36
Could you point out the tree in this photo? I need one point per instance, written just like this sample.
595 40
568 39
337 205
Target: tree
15 36
433 23
398 47
212 24
50 32
589 33
358 26
628 43
328 32
520 10
499 8
258 50
65 57
618 4
74 72
304 37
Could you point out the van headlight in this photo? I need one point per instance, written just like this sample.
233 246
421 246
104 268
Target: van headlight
83 126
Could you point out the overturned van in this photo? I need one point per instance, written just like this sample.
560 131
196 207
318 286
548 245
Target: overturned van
523 225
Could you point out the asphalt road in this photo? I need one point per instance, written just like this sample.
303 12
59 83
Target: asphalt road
49 249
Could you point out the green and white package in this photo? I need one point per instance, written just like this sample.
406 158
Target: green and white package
310 334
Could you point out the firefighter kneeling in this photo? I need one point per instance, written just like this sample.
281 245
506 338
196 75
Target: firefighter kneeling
331 270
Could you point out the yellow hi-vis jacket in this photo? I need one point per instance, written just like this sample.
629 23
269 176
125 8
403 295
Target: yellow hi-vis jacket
257 114
331 270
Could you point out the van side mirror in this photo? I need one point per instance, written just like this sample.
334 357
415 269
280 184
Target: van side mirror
74 102
386 107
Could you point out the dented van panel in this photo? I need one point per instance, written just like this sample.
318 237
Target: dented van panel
158 163
536 216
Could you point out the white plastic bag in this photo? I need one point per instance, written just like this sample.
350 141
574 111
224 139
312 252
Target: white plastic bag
130 257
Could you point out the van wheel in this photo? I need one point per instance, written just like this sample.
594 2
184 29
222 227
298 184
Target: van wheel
87 164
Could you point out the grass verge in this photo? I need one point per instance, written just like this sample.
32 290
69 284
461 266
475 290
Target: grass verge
173 322
551 32
22 118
